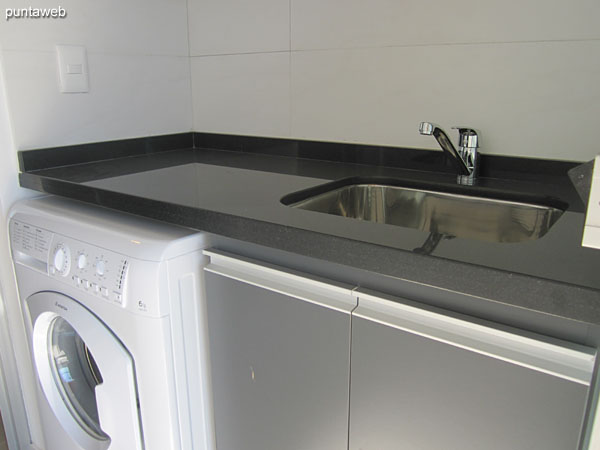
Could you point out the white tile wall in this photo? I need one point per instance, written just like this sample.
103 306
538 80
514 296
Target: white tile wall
360 71
138 61
358 23
242 94
129 96
527 99
369 72
141 27
234 26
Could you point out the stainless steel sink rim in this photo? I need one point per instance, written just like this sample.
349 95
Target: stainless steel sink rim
481 218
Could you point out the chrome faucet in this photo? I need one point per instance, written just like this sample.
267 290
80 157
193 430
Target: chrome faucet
465 159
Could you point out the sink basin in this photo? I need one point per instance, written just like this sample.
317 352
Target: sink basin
444 213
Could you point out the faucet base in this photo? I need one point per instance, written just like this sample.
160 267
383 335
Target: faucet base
465 180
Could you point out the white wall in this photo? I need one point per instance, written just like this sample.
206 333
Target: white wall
523 72
138 64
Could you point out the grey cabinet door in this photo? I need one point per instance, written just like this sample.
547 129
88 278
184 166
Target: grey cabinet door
427 381
280 357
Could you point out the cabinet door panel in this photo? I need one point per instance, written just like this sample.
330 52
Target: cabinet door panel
280 368
413 391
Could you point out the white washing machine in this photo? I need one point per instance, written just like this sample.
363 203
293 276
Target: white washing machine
114 310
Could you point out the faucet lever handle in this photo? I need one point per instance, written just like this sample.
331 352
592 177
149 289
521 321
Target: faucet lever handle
426 128
467 137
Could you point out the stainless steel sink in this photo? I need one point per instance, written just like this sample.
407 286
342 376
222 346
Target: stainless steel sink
449 214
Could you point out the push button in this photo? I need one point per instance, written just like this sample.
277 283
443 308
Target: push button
104 291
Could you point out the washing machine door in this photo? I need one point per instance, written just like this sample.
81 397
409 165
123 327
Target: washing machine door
86 374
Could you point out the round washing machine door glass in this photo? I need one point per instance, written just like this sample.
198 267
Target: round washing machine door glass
76 374
86 374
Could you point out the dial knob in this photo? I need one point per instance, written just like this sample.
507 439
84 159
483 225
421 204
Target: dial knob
62 260
81 261
100 267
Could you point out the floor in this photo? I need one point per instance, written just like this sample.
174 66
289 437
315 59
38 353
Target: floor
3 444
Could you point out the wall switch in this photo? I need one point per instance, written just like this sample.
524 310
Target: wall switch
72 68
591 231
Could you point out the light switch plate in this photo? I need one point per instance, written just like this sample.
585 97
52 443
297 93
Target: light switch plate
591 230
72 68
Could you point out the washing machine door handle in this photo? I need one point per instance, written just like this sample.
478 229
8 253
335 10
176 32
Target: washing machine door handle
117 406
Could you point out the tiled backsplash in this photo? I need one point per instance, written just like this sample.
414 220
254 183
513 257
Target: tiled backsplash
525 73
138 62
522 72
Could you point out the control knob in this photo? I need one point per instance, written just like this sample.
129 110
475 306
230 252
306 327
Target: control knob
100 267
81 260
62 260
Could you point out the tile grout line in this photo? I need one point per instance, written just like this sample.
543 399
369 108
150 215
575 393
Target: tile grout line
100 53
290 99
187 12
393 46
265 52
308 49
444 44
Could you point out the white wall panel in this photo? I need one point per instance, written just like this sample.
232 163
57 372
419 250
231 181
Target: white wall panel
130 96
138 61
522 71
537 100
323 24
142 27
233 26
242 94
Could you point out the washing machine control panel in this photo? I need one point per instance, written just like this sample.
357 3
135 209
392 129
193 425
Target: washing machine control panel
92 269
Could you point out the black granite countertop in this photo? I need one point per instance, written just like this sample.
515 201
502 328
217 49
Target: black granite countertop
232 186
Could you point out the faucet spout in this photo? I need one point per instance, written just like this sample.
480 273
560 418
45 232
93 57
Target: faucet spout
430 129
466 158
